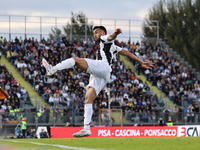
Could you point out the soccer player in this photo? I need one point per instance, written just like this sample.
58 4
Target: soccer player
98 69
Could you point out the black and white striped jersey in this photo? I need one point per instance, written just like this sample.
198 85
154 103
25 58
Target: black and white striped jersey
108 50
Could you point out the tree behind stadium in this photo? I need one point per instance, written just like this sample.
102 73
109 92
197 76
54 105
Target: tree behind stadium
55 33
179 26
79 24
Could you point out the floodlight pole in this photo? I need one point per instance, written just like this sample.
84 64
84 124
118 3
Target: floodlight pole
157 26
157 30
40 28
130 31
71 32
9 28
25 26
85 31
56 28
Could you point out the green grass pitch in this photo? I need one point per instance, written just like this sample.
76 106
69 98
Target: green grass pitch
158 143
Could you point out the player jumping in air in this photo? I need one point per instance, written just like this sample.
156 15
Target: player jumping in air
98 69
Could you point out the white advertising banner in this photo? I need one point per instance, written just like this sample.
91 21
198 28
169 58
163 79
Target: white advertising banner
185 131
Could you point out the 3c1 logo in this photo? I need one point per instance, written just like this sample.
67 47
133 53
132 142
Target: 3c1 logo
189 131
183 131
192 131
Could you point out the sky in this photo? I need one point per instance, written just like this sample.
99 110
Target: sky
109 11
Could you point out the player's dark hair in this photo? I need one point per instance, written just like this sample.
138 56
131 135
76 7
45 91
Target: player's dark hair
101 27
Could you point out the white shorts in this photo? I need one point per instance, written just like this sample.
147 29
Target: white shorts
99 74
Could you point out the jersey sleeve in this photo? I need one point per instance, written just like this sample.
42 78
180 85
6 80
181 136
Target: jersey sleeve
118 48
104 39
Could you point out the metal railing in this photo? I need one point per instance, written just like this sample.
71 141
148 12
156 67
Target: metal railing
40 26
9 121
76 118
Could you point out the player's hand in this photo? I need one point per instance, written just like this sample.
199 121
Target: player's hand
118 31
147 65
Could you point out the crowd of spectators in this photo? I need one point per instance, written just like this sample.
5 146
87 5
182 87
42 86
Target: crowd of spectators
172 77
169 74
67 87
10 108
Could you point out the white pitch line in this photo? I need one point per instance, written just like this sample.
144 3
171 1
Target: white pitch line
54 145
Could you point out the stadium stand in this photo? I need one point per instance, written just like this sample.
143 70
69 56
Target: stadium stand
131 94
170 75
12 108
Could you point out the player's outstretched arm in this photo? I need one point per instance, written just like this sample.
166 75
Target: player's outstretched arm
114 35
148 65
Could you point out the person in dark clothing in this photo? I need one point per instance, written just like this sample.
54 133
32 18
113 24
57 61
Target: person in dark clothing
196 109
29 133
66 115
43 134
63 38
161 122
57 112
196 112
180 113
133 116
46 113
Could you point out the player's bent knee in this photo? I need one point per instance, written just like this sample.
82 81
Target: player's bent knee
88 100
76 59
